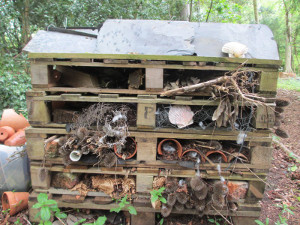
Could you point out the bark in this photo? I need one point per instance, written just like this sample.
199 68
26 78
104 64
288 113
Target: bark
255 11
25 23
185 12
191 10
210 7
288 44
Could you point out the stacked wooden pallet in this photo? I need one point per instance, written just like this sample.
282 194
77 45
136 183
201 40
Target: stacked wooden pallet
49 94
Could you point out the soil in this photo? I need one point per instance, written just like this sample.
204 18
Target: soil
284 185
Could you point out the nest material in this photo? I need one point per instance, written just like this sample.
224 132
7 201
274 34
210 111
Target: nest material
166 210
171 184
182 197
171 199
197 183
178 206
158 182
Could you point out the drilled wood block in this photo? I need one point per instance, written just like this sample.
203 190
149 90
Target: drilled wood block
154 78
146 115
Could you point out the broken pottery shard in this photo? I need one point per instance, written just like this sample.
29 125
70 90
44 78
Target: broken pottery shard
235 49
182 116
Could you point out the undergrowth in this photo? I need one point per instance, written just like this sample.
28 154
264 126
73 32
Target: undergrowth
289 84
14 82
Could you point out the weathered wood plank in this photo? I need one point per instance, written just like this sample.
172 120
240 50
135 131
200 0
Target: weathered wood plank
268 81
146 117
154 79
153 57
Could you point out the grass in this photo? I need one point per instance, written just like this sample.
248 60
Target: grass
289 84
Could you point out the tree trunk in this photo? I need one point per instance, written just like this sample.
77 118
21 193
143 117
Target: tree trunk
25 23
255 11
185 12
191 10
288 44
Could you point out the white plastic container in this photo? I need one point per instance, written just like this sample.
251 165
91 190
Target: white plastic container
14 170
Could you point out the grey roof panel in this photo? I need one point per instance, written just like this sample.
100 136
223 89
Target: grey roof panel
55 42
146 37
154 37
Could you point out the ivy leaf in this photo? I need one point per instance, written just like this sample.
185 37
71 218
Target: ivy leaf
132 210
45 213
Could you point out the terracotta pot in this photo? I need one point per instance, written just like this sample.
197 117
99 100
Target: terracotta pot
12 119
15 201
129 157
178 146
6 132
237 155
193 150
17 139
217 152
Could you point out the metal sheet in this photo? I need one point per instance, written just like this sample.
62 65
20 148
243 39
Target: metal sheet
154 37
146 37
54 42
210 37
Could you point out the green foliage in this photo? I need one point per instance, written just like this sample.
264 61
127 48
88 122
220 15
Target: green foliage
14 82
261 223
17 222
100 221
289 84
215 221
282 219
157 195
122 203
161 222
47 207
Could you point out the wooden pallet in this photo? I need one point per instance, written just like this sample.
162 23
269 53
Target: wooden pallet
147 143
40 110
144 176
142 205
42 64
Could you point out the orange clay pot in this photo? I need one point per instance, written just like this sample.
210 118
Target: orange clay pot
12 119
15 201
193 150
178 146
217 152
129 157
18 139
6 132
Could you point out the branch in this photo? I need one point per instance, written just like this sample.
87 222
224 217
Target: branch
211 3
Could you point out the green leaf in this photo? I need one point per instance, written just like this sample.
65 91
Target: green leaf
154 198
161 221
132 210
121 204
161 189
211 220
80 221
45 213
37 215
294 168
259 222
117 210
42 198
101 220
37 205
61 215
163 200
267 221
50 202
47 223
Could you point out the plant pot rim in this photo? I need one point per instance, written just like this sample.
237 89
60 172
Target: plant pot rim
179 146
224 157
130 156
193 150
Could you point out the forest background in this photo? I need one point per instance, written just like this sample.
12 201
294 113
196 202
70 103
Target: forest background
20 19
